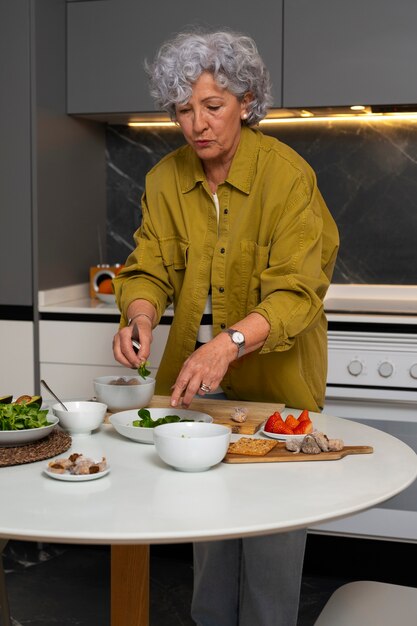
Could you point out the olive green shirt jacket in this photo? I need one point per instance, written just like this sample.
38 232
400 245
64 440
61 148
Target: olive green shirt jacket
272 251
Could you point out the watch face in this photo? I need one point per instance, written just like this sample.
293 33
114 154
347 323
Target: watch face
238 337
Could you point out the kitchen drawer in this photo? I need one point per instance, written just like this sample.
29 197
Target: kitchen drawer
17 375
88 343
75 382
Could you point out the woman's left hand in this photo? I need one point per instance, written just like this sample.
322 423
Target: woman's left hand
203 371
205 368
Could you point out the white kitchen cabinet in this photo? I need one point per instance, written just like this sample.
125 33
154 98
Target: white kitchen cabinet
17 376
345 53
109 41
73 353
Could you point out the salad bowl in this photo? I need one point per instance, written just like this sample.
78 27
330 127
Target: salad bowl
124 421
11 438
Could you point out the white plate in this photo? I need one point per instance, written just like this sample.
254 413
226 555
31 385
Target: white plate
281 437
11 438
76 478
123 422
108 298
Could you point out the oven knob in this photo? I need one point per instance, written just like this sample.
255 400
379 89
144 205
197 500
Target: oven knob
355 367
386 369
413 370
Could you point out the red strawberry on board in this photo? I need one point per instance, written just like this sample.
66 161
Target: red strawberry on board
291 421
304 416
281 428
271 421
304 428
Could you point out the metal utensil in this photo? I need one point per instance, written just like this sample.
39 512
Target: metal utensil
53 394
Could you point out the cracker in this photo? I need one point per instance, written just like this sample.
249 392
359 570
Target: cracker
251 447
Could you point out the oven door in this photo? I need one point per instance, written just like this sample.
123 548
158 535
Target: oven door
393 413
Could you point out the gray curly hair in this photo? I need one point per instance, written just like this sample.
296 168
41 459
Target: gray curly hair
231 57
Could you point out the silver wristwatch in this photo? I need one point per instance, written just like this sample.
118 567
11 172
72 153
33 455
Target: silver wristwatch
238 339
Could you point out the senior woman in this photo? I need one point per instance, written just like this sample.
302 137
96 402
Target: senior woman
235 234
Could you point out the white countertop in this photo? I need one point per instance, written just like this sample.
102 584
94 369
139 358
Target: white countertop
389 304
142 500
76 299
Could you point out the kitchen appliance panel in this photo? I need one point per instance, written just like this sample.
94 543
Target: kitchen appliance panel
372 379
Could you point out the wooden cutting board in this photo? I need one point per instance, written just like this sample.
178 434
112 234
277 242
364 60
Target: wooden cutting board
280 454
220 411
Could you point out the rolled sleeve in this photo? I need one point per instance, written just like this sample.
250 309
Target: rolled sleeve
294 284
144 275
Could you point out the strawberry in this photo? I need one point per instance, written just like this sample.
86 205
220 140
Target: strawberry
304 428
304 416
291 421
271 421
281 428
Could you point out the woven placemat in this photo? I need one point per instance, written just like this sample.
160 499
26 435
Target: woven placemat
55 443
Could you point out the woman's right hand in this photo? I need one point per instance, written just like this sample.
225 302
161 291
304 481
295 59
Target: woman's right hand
140 330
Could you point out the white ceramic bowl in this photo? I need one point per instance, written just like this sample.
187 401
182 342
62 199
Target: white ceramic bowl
11 438
191 446
124 397
123 422
108 298
82 416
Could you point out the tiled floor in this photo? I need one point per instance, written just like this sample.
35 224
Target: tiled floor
59 585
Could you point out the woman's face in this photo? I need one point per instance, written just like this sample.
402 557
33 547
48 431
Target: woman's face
211 120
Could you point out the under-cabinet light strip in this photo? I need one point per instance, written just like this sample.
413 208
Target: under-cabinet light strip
367 117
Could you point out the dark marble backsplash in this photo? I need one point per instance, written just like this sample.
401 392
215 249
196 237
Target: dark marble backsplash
366 170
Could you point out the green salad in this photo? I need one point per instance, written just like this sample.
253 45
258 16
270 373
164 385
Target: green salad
143 369
146 421
22 417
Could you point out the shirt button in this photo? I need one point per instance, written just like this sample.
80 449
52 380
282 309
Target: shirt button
222 325
221 289
222 250
226 211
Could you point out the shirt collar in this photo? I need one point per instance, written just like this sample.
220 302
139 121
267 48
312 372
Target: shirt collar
242 171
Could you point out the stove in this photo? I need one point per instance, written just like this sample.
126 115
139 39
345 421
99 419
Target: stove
372 379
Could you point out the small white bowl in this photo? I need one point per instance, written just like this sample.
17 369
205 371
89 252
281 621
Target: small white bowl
124 397
123 422
108 298
191 446
82 417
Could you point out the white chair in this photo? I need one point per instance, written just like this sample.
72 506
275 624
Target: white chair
369 603
4 601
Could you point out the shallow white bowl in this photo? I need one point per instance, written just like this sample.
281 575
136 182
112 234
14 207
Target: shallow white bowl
82 416
123 397
191 446
123 422
108 298
11 438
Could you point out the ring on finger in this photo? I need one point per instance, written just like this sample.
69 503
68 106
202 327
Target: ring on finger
205 388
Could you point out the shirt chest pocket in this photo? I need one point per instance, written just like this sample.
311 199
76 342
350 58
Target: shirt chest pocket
174 252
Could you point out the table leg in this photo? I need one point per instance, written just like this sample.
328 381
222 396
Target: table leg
130 585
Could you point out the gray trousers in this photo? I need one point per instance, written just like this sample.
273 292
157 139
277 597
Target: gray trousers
254 581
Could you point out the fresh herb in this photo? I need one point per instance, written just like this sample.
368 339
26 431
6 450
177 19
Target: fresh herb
146 421
143 369
22 417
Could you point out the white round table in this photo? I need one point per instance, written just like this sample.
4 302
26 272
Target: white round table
143 501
